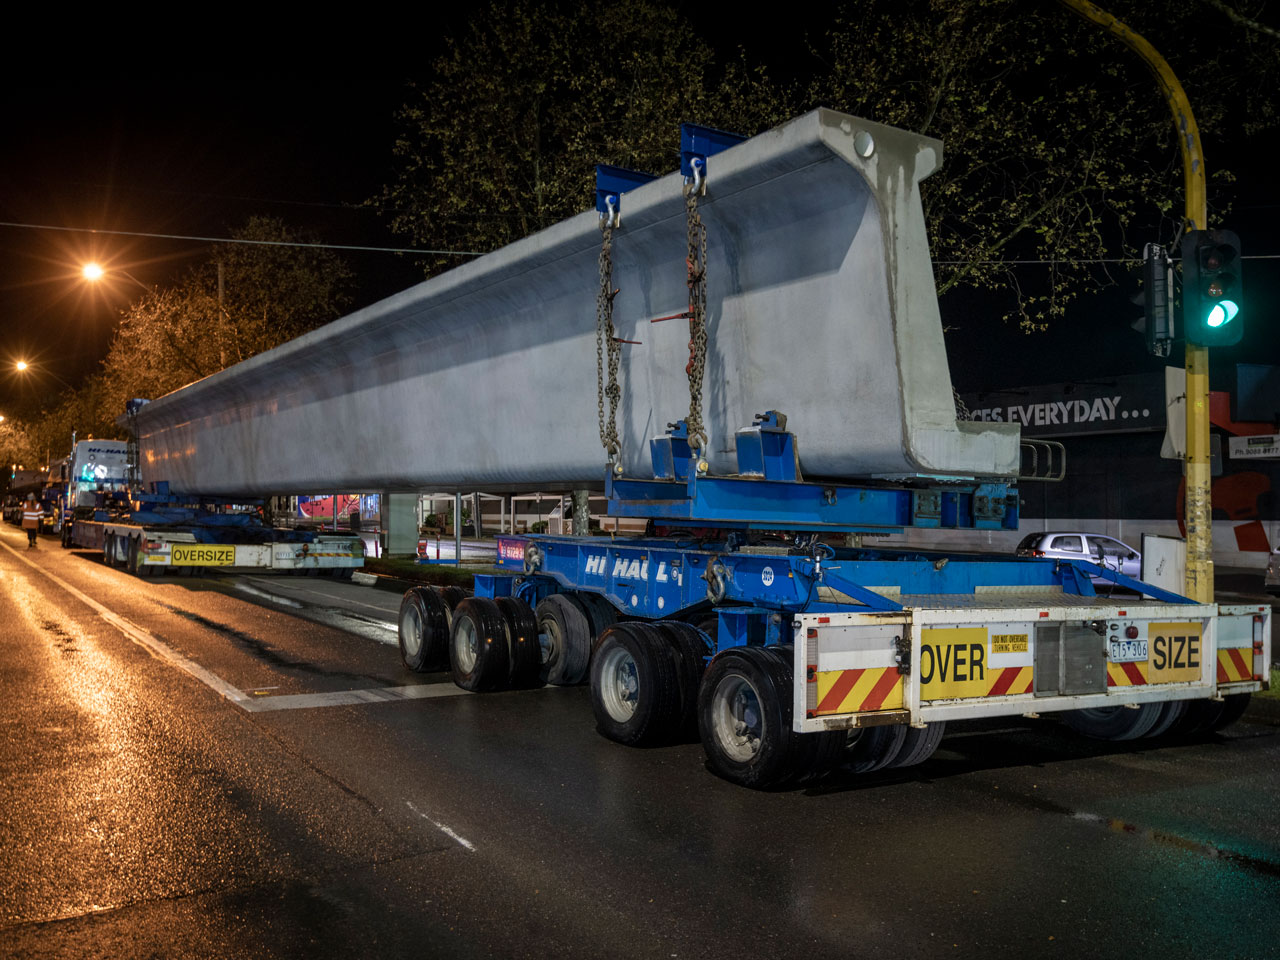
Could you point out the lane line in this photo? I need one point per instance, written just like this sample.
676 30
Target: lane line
341 698
328 599
253 591
141 637
442 828
247 702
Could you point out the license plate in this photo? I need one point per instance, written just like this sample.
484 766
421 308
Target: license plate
202 555
1126 651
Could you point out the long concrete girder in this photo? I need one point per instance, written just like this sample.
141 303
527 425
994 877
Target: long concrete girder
821 304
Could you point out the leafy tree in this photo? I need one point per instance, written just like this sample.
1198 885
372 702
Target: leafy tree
502 140
1057 141
173 336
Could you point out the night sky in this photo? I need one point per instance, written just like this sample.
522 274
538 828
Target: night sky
134 130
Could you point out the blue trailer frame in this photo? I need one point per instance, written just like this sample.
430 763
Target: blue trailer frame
747 585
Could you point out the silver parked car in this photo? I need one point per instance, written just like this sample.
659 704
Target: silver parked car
1074 545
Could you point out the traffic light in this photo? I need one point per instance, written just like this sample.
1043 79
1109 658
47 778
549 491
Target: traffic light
1211 288
1157 321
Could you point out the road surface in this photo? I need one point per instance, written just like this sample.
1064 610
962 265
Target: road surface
232 768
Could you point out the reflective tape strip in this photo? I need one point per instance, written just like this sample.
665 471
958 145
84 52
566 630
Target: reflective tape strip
1127 674
1234 666
857 691
1010 680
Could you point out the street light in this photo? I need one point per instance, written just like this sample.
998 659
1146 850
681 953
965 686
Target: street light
22 367
94 272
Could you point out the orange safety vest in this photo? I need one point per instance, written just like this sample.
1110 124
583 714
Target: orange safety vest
31 517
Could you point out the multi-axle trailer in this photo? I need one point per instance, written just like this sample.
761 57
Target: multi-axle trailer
790 655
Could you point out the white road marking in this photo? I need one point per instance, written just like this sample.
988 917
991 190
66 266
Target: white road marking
241 699
143 638
341 698
325 597
252 591
442 828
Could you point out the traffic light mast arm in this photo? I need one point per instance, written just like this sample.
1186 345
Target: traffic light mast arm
1199 503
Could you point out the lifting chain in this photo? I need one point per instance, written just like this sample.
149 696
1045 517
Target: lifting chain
697 265
607 344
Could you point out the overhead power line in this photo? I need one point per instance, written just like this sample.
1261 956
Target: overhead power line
480 253
259 243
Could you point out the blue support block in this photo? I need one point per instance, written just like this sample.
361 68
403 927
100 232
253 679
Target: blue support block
493 585
697 143
611 183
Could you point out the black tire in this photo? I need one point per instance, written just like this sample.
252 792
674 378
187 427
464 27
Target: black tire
1114 723
478 645
452 596
423 630
343 573
1233 708
66 536
133 552
710 625
919 745
635 685
567 650
524 654
601 614
1199 717
869 749
1170 713
692 652
744 718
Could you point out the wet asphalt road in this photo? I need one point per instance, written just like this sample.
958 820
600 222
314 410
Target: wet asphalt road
184 771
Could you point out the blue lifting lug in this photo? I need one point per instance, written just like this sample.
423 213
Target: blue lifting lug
697 143
611 183
670 453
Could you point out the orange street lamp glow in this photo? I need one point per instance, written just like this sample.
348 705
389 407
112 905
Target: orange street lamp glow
21 365
92 271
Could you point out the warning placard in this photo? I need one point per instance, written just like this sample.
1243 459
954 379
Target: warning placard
1176 652
1009 643
953 663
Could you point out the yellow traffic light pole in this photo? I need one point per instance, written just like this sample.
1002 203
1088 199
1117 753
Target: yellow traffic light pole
1199 501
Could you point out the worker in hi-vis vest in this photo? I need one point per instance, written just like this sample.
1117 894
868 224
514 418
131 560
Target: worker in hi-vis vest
32 514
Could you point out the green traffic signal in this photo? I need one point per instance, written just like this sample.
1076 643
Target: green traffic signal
1211 288
1222 312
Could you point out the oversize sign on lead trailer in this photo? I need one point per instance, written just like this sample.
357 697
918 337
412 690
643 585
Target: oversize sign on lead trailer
962 662
202 555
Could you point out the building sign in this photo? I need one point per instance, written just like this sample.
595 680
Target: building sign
1263 447
1125 404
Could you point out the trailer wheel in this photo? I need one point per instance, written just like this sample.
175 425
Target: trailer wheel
635 685
1171 712
692 651
1114 723
478 645
452 596
601 614
524 653
1233 708
868 749
132 551
66 536
919 744
564 635
744 718
424 630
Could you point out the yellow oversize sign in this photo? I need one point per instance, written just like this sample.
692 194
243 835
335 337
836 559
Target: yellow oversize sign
1176 654
202 555
953 663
